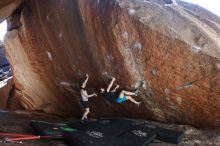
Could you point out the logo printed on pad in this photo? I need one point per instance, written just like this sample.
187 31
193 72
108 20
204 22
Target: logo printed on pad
139 133
95 134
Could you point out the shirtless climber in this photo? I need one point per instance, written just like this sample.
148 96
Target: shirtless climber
85 98
122 97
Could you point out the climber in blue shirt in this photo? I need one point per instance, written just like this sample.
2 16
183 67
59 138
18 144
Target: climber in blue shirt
123 95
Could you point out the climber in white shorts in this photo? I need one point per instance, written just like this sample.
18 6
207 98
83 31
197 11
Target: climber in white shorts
85 98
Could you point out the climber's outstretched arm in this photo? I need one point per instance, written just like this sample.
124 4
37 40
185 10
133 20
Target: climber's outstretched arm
85 82
111 83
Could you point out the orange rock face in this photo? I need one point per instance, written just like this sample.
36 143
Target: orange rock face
172 50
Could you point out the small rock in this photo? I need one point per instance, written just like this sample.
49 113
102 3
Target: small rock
64 83
144 85
188 85
185 86
125 35
131 11
173 30
60 35
48 18
167 99
105 73
142 20
179 88
49 55
109 57
137 45
205 46
196 49
138 61
79 73
218 66
137 85
120 4
179 100
167 91
197 141
146 1
154 71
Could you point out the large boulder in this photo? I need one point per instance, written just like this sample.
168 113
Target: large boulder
172 51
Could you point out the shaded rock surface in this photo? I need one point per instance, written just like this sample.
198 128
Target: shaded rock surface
3 60
6 80
4 93
173 50
6 8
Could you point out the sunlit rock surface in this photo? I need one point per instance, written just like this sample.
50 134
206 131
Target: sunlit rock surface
172 51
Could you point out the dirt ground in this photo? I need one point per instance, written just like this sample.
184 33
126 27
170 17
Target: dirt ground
19 123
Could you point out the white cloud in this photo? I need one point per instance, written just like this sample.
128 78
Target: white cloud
3 29
211 5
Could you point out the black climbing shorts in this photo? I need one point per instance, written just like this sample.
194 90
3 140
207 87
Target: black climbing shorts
85 104
110 96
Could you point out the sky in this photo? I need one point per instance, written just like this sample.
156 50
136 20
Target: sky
211 5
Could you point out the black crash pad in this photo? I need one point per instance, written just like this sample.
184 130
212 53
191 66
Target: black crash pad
139 136
170 136
119 126
97 138
110 127
107 132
